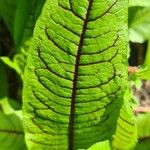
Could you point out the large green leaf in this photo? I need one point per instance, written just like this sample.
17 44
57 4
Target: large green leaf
11 133
76 74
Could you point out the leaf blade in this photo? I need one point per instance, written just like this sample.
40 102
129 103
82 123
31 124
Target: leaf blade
54 62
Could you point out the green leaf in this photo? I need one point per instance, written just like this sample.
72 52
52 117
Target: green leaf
26 15
139 24
125 137
21 18
105 145
23 31
76 74
143 124
9 105
144 71
11 64
7 12
143 3
11 133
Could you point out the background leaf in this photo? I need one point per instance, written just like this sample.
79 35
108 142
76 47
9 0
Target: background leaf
139 24
11 133
7 12
143 3
144 71
143 125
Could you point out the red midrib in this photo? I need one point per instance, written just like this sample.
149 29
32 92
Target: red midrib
72 111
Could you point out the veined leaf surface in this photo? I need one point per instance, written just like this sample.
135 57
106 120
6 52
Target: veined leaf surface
76 74
11 132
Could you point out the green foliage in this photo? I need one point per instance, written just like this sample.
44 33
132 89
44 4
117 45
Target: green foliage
11 132
139 24
76 89
7 12
139 31
143 125
63 58
125 137
25 14
143 3
105 145
144 72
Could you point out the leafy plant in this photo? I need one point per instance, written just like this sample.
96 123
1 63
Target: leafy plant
63 59
71 57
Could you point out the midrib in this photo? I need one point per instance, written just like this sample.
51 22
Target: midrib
72 111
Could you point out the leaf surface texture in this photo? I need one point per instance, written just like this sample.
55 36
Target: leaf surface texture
76 74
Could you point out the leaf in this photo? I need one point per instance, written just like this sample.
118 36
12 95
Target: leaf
76 74
139 24
21 18
23 32
105 145
143 124
11 64
7 12
26 15
143 3
125 137
11 133
144 71
8 105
